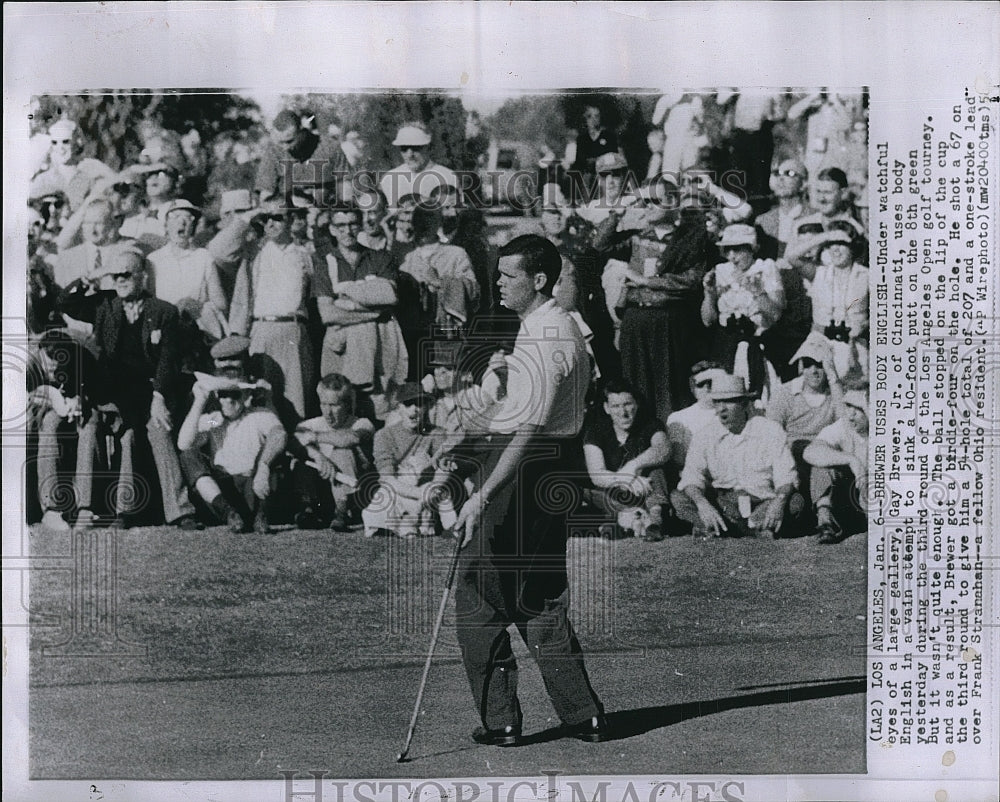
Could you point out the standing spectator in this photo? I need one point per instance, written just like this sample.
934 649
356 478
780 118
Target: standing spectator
233 475
181 271
788 182
660 329
332 451
744 297
418 174
839 292
269 306
136 337
626 453
376 234
591 143
739 477
612 189
67 173
842 449
298 160
355 290
148 226
830 118
830 199
682 117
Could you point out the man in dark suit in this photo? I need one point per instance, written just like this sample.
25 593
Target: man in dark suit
136 337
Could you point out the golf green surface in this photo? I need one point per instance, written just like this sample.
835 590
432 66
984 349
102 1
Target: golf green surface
239 656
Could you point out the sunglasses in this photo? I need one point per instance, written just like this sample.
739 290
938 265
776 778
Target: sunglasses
808 362
62 141
273 218
786 173
412 148
232 395
122 276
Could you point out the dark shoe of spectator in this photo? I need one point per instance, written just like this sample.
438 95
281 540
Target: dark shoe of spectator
308 519
187 523
653 532
123 521
593 730
503 736
340 522
260 524
827 528
85 519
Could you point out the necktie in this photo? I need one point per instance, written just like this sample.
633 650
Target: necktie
95 269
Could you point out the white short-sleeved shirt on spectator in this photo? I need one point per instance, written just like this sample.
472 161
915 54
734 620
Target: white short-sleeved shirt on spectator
844 437
178 273
547 375
401 181
360 426
237 443
756 461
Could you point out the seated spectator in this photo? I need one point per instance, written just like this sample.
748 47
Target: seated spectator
839 292
839 491
184 275
684 424
64 408
626 453
744 297
807 404
355 290
228 454
136 338
332 451
449 292
739 476
409 457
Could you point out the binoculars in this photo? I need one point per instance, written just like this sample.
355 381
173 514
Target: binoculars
838 332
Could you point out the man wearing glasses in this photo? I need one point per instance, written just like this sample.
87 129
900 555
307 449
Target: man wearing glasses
67 172
418 174
136 336
788 180
355 291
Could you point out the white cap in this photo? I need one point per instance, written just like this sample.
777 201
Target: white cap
413 136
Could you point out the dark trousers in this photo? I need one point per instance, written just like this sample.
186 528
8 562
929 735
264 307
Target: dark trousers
236 490
514 572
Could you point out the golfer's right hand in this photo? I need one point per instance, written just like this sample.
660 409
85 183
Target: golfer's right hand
713 521
468 519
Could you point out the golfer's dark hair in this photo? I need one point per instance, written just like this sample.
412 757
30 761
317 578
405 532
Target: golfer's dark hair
538 255
339 384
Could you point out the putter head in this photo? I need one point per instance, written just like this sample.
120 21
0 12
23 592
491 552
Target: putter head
401 758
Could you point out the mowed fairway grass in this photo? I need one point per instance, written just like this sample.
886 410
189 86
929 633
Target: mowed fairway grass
242 655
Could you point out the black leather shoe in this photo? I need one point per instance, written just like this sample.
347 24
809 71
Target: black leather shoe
593 730
187 523
505 736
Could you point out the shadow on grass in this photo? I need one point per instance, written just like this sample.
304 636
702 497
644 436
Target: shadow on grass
629 723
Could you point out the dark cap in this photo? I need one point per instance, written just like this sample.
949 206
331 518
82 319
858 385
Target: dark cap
410 393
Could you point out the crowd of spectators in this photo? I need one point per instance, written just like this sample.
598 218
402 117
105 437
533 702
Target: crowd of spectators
320 351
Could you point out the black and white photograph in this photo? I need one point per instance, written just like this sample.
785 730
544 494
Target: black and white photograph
414 432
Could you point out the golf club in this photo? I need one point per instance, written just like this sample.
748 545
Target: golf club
401 758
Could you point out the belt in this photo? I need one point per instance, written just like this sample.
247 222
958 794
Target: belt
280 319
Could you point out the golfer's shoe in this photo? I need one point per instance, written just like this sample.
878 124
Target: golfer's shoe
308 519
504 736
593 730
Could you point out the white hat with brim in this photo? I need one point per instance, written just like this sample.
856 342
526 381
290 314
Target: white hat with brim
610 163
815 347
235 200
738 234
729 388
181 205
410 135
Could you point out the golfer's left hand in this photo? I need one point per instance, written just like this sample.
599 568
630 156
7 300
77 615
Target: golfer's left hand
469 518
159 415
